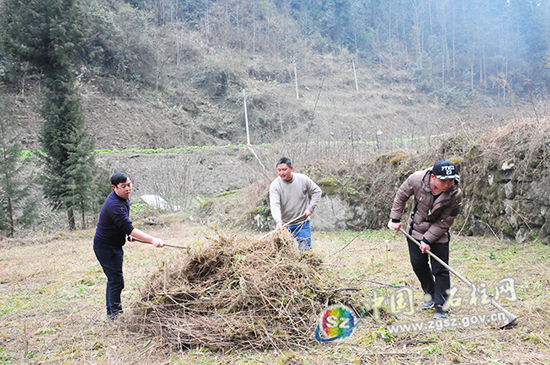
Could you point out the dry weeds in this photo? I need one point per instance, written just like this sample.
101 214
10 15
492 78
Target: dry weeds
524 142
237 292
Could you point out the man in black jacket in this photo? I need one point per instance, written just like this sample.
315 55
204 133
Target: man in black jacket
113 226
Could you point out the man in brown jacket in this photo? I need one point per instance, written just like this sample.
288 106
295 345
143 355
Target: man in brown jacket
437 199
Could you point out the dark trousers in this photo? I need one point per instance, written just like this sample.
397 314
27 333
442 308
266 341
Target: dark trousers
111 259
435 280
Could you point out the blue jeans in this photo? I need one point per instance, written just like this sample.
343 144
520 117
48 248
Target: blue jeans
302 233
111 258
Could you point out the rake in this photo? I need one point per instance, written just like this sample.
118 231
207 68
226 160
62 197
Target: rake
511 318
165 244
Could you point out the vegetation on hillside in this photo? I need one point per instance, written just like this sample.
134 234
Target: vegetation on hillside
191 61
160 75
450 47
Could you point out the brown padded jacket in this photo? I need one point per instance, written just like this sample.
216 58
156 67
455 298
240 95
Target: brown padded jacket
430 220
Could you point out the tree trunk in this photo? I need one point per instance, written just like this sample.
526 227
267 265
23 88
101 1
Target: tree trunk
70 216
83 214
11 214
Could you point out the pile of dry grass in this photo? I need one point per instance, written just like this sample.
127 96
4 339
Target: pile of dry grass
237 292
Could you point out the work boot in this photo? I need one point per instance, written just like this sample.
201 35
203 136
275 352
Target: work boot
115 314
428 304
440 313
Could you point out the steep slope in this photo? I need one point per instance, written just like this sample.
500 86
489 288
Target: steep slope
325 106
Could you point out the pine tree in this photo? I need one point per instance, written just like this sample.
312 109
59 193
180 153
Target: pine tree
79 174
47 35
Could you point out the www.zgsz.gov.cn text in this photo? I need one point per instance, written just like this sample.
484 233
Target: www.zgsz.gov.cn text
441 324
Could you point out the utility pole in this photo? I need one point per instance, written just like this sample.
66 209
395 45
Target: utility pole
354 75
296 80
246 119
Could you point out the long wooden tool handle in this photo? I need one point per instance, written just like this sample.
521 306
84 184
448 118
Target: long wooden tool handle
284 225
165 244
511 318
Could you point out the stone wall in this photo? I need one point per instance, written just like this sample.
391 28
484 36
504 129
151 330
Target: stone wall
508 201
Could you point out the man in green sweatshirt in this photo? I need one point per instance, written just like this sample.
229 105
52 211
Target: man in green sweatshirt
293 198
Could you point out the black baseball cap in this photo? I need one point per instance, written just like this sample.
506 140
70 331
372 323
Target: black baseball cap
445 169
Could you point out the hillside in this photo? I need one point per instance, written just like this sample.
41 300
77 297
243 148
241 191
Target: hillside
174 84
155 84
386 113
386 107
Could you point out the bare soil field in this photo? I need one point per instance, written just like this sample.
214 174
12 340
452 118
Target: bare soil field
52 303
